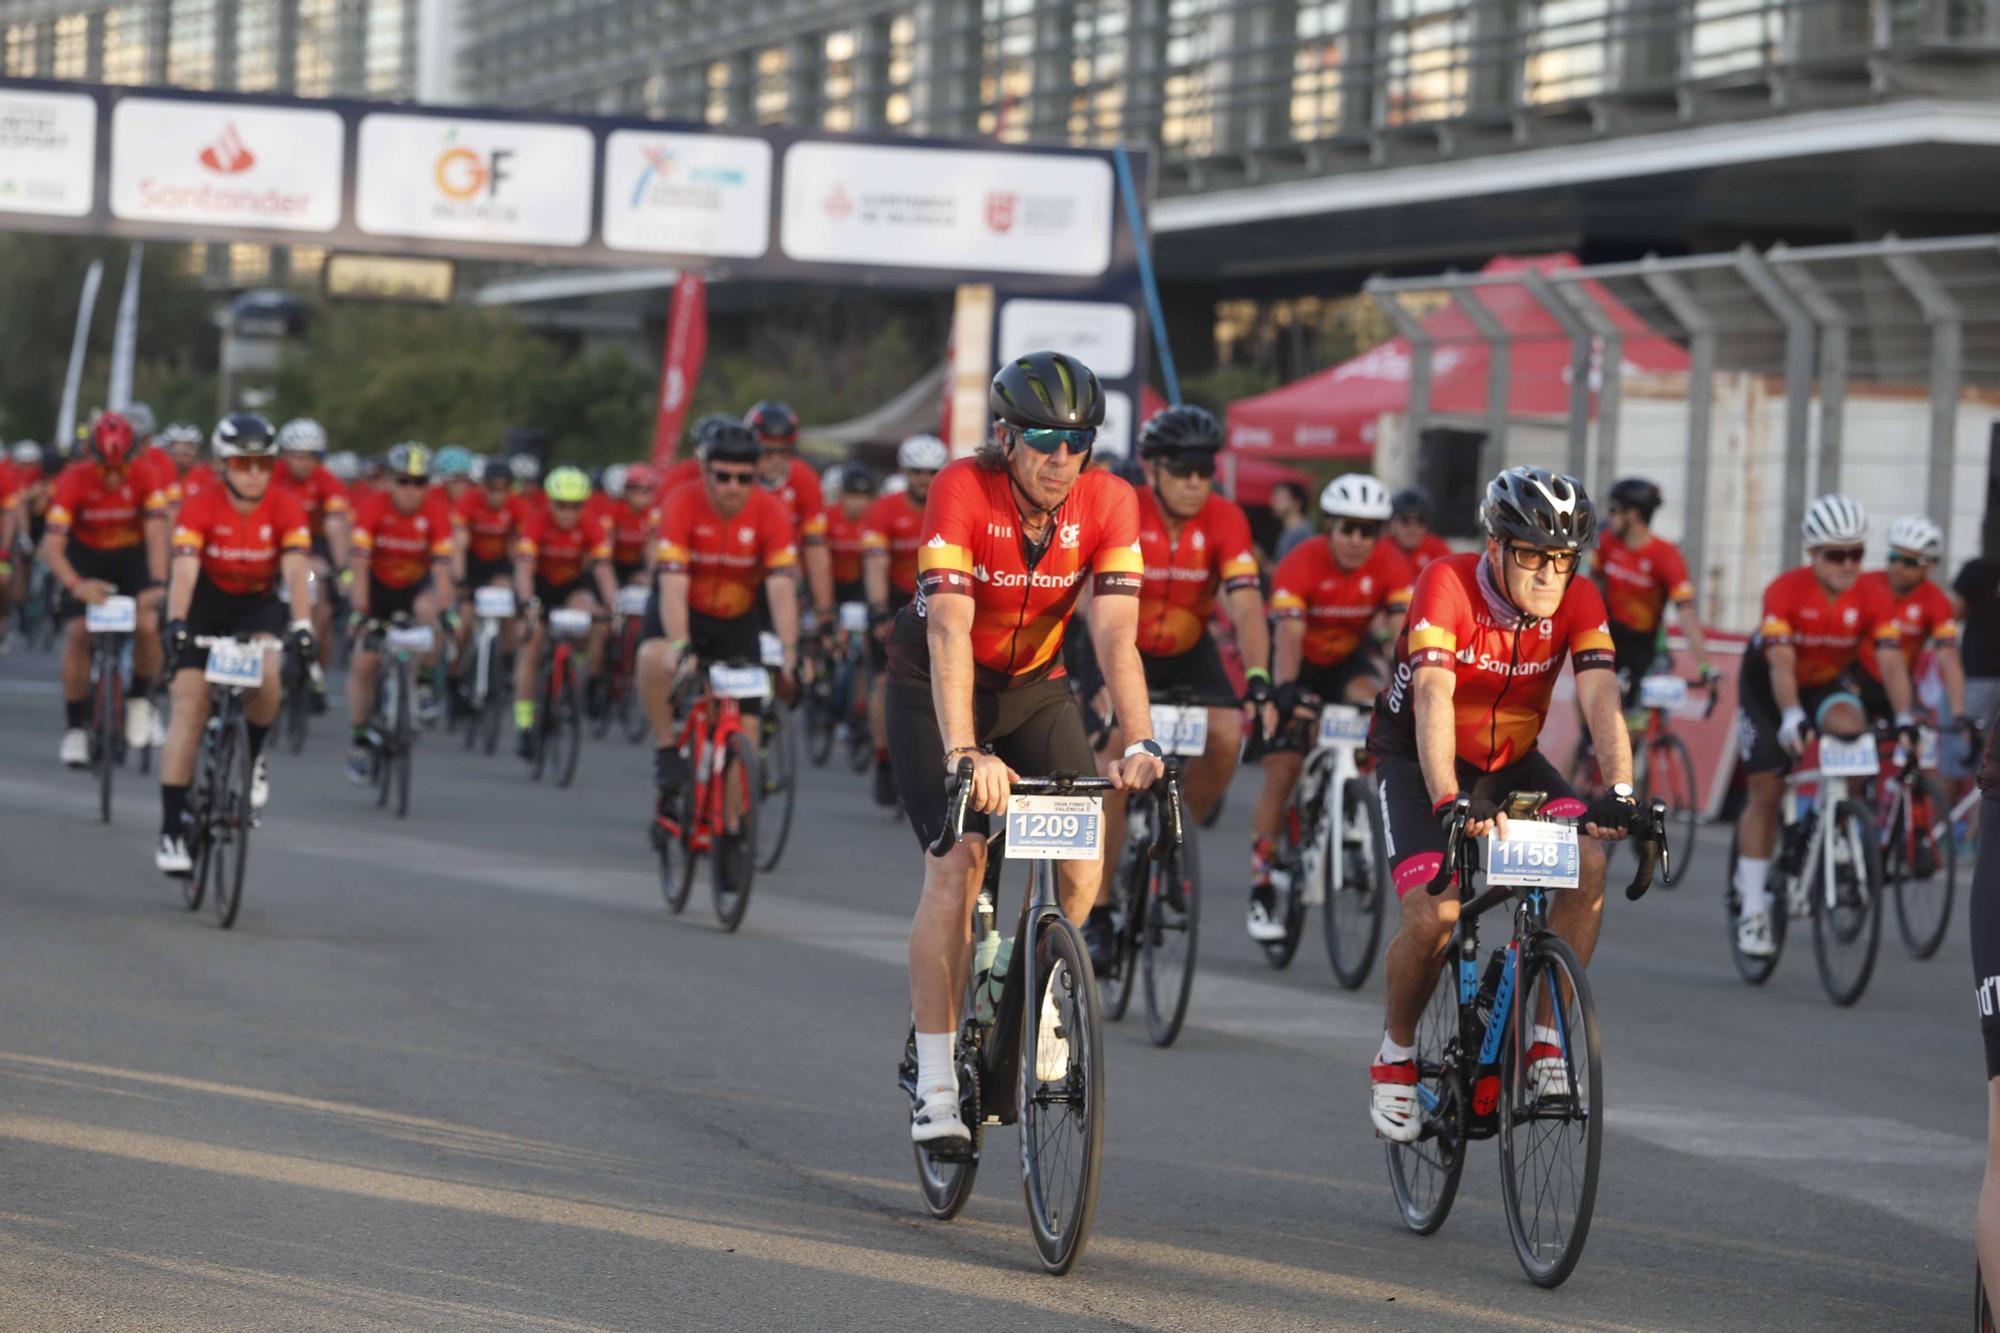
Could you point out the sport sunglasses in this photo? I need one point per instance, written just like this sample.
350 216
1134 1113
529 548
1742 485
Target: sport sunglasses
1840 555
1188 467
1047 439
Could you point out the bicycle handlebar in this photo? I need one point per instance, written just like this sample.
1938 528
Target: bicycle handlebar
1649 827
958 803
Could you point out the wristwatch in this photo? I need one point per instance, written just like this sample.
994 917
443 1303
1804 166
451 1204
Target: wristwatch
1151 747
1622 791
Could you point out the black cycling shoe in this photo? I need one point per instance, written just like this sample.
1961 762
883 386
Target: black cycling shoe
316 703
670 770
885 784
1100 933
524 743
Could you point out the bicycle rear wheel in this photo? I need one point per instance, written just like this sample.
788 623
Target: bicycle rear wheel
1923 902
1757 971
1424 1174
1847 923
1170 930
1670 776
566 724
1128 895
1061 1095
298 685
677 857
777 783
1354 910
494 708
195 887
231 820
736 854
110 726
946 1183
1552 1139
820 721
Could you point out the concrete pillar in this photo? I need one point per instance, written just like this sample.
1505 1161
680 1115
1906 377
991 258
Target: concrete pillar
45 49
871 71
226 12
1145 71
1359 89
350 52
945 78
285 32
742 93
93 47
1495 52
1257 100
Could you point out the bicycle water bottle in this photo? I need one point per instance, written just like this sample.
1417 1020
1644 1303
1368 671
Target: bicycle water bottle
983 954
986 997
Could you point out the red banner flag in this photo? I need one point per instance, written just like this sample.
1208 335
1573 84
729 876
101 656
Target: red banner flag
680 367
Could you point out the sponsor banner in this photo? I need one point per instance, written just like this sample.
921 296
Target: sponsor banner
1100 334
680 362
48 153
226 164
1115 435
456 179
944 208
687 194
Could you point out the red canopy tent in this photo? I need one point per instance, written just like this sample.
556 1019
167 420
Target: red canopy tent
1334 414
1254 476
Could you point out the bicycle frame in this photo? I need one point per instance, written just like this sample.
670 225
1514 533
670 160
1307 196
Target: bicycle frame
706 730
1794 809
1332 766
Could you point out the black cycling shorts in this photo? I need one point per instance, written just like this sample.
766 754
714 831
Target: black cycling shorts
213 612
1037 729
124 568
712 638
878 637
1874 698
1986 929
1415 835
1634 651
1329 683
1759 717
558 594
1198 670
627 571
385 601
482 573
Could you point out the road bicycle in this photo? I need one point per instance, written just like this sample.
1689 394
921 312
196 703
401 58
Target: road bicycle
1047 1075
1478 1028
1662 764
1829 869
110 624
1919 853
35 617
393 727
720 795
219 817
777 766
295 712
490 675
556 740
836 707
622 706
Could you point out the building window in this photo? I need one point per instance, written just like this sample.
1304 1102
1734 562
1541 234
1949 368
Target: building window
72 47
1729 36
773 87
901 65
318 47
125 44
21 50
191 44
1193 71
655 96
1097 71
715 106
1426 67
388 31
1566 51
1316 69
249 263
306 262
1007 78
837 82
256 45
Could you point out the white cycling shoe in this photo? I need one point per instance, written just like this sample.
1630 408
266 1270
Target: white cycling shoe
1753 936
172 856
938 1118
1392 1102
76 748
138 723
1262 925
260 784
1051 1045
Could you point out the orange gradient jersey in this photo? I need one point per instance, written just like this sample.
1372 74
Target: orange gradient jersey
725 559
1183 572
240 552
1338 605
971 547
401 547
103 511
1639 581
895 524
1506 676
1824 631
843 540
1921 617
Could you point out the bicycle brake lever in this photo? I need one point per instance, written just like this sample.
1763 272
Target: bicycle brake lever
1460 808
958 794
1169 834
1655 845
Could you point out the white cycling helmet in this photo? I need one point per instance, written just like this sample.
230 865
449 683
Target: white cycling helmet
614 480
895 484
922 453
1917 535
1834 520
143 423
302 435
1356 495
829 480
345 465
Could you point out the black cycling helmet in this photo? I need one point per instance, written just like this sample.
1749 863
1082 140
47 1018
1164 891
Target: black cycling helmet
1637 493
1411 502
721 439
1537 507
856 480
1179 430
244 435
773 420
1048 390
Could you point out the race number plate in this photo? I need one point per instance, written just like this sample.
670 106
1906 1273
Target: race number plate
1927 747
631 601
1054 828
411 638
1668 692
493 603
1181 730
854 617
1857 758
1533 855
235 663
566 622
744 682
113 615
1343 724
771 649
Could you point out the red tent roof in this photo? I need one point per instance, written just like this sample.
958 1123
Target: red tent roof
1333 414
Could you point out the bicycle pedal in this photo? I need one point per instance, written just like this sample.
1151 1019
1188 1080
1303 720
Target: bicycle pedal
952 1151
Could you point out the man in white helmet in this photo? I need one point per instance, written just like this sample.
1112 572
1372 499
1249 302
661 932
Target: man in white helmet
1922 613
1799 678
1329 598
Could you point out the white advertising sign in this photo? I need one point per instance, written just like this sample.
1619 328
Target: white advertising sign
689 194
455 179
226 164
48 153
1101 334
1115 435
946 208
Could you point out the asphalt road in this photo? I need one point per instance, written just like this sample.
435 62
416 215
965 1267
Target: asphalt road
463 1070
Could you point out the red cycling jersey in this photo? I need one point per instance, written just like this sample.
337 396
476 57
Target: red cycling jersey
1183 572
319 494
895 524
102 513
563 554
1639 581
1824 631
489 530
843 540
1338 605
1921 617
1432 547
676 475
1505 676
401 547
630 530
972 548
800 494
239 552
195 480
725 559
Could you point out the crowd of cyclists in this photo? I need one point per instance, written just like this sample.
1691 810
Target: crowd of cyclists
957 581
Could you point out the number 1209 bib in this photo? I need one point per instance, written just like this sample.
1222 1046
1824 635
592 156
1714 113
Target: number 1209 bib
1054 828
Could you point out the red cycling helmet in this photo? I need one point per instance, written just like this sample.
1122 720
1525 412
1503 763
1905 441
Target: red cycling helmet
111 440
640 476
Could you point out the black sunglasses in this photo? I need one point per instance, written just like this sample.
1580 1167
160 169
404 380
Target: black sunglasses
732 477
411 481
1188 467
1913 561
1534 558
1840 555
1358 527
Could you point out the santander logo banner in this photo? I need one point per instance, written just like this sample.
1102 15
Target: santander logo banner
226 164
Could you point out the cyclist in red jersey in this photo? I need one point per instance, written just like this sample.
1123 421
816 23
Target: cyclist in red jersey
234 544
719 542
891 532
403 549
107 535
526 470
1410 529
183 442
563 559
1798 677
1009 539
306 478
1475 669
1923 615
1329 598
787 475
25 516
625 508
1640 573
843 532
678 474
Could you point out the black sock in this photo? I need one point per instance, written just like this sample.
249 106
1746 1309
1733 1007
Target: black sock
173 808
141 688
76 713
361 735
257 735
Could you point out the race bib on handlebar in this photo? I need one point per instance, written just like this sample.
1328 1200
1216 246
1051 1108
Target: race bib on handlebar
1840 758
1533 855
632 601
1927 749
410 638
1054 828
113 615
566 622
744 682
493 603
1668 692
1343 724
1181 729
770 649
236 664
854 617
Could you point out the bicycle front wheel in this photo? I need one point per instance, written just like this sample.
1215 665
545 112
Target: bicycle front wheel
1846 916
1670 776
231 821
671 842
1128 898
1551 1114
195 887
735 857
1753 969
406 741
110 726
777 783
566 725
1354 909
1061 1095
1424 1174
1922 862
1170 930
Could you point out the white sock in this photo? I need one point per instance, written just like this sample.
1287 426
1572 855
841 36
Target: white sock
1753 878
1392 1053
936 1071
1549 1035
